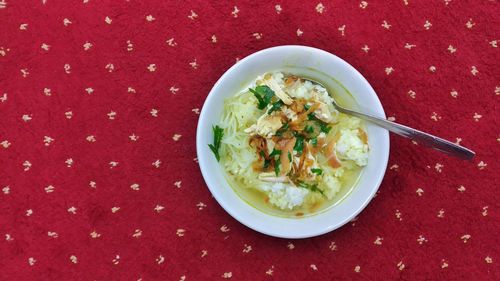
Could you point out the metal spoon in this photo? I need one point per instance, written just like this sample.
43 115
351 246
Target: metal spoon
426 139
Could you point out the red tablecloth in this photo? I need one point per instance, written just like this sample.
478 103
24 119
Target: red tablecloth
99 102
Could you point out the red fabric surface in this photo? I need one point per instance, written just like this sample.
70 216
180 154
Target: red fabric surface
435 218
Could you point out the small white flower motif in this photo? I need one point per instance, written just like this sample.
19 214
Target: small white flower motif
400 265
378 241
135 186
26 117
45 47
494 43
290 246
91 138
357 268
452 49
66 22
160 259
227 275
427 25
257 35
67 68
68 114
488 259
29 212
89 90
406 2
93 184
3 51
474 70
194 64
481 165
419 191
133 137
130 46
224 229
115 209
389 70
6 190
180 232
47 92
178 184
314 267
410 46
440 213
497 90
24 72
438 167
111 115
363 4
235 12
3 98
72 210
31 261
158 208
3 4
23 26
113 164
398 215
446 2
394 167
193 15
27 165
95 235
391 118
470 24
150 18
52 234
485 211
154 112
49 189
73 259
278 9
156 163
386 25
108 20
137 233
461 188
421 239
116 260
270 271
444 263
299 32
436 117
110 67
342 30
196 111
204 253
213 38
87 45
201 206
454 93
412 94
477 116
320 8
8 237
176 137
47 140
152 67
432 68
195 159
174 90
333 247
247 249
171 42
465 238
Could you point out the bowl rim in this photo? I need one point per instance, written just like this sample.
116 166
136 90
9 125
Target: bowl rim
232 212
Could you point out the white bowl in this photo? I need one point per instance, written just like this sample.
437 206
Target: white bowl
318 65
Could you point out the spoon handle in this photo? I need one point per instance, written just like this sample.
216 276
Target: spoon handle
419 136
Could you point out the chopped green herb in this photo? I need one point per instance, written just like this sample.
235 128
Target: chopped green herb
317 171
324 127
309 129
314 142
264 94
218 134
276 105
274 153
266 163
306 107
311 116
299 144
289 156
311 187
262 154
281 130
277 167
